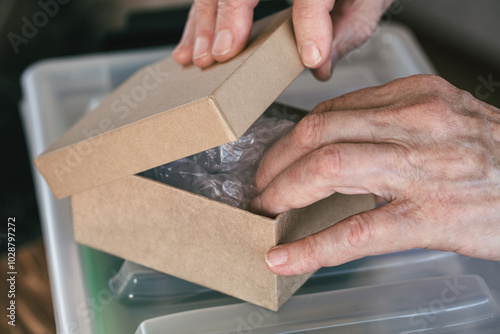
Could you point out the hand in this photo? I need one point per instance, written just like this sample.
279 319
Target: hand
430 150
217 30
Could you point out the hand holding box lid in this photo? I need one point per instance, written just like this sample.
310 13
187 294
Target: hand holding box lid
325 30
189 108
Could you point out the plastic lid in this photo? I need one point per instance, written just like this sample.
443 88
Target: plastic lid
166 111
452 304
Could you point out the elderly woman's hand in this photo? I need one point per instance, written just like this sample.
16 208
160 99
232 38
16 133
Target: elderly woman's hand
430 150
217 30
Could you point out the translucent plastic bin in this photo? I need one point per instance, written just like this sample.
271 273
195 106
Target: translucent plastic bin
448 304
58 92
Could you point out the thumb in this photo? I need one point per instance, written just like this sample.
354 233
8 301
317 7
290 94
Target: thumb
234 23
313 31
353 22
373 232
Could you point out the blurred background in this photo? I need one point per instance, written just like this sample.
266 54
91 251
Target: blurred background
461 39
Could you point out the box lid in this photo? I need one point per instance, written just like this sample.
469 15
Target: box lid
166 111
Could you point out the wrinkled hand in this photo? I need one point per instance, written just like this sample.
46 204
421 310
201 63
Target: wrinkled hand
430 150
217 30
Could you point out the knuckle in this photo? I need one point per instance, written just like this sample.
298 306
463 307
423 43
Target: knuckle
205 8
362 25
473 162
262 175
203 62
237 4
363 28
303 11
308 131
274 199
435 110
431 81
302 15
438 106
464 102
231 5
328 164
360 231
432 87
323 107
404 160
465 97
312 253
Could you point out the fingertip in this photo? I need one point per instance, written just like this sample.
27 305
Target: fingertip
324 72
229 42
201 52
182 55
276 257
234 23
254 205
278 262
223 54
285 261
259 176
223 45
310 54
313 31
204 61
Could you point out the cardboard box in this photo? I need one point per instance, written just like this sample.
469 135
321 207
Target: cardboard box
165 112
198 239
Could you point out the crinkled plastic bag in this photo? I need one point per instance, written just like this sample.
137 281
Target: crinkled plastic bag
226 173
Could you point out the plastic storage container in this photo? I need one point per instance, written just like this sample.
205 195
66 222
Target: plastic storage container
406 292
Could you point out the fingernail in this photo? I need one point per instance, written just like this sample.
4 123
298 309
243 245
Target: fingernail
277 256
310 54
223 43
200 47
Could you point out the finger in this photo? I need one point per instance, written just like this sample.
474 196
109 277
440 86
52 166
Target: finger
319 129
344 168
386 229
324 72
183 52
205 15
398 92
366 98
234 23
353 23
313 30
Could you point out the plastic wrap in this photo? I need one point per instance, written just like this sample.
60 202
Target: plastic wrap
226 173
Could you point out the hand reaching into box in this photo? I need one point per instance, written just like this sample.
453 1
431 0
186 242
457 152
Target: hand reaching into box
217 30
430 150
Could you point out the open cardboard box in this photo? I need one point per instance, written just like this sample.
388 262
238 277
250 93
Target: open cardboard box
165 112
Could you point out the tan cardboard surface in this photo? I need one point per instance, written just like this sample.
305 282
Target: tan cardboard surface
173 111
199 239
296 224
